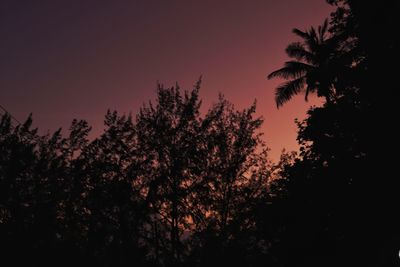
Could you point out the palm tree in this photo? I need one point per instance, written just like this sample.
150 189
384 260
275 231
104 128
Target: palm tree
313 69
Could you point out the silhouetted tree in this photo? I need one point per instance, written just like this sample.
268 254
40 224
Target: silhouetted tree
337 195
236 175
171 187
35 188
169 138
314 68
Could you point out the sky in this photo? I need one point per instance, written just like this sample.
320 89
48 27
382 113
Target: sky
75 59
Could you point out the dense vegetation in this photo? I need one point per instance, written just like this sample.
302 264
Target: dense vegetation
172 187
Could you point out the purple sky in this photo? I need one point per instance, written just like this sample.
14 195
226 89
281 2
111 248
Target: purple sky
75 59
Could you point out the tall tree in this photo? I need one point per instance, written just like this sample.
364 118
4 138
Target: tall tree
110 206
168 143
236 175
338 197
313 69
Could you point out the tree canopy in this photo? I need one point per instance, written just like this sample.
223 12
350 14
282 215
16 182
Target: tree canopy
171 186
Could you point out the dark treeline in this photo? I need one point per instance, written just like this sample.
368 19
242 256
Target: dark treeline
172 187
169 187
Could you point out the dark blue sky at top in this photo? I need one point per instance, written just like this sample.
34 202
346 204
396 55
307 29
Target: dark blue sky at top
75 59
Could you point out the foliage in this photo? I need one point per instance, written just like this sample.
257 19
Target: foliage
165 189
173 187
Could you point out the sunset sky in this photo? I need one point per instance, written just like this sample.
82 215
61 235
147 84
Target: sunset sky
75 59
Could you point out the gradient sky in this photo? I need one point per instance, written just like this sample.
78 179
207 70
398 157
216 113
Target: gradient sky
75 59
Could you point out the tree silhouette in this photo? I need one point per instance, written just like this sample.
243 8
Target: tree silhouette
168 145
337 197
237 171
173 187
314 67
170 188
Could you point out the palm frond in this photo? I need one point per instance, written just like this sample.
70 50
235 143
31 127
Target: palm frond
300 33
287 90
313 34
322 31
298 67
298 51
291 70
282 73
314 65
309 90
